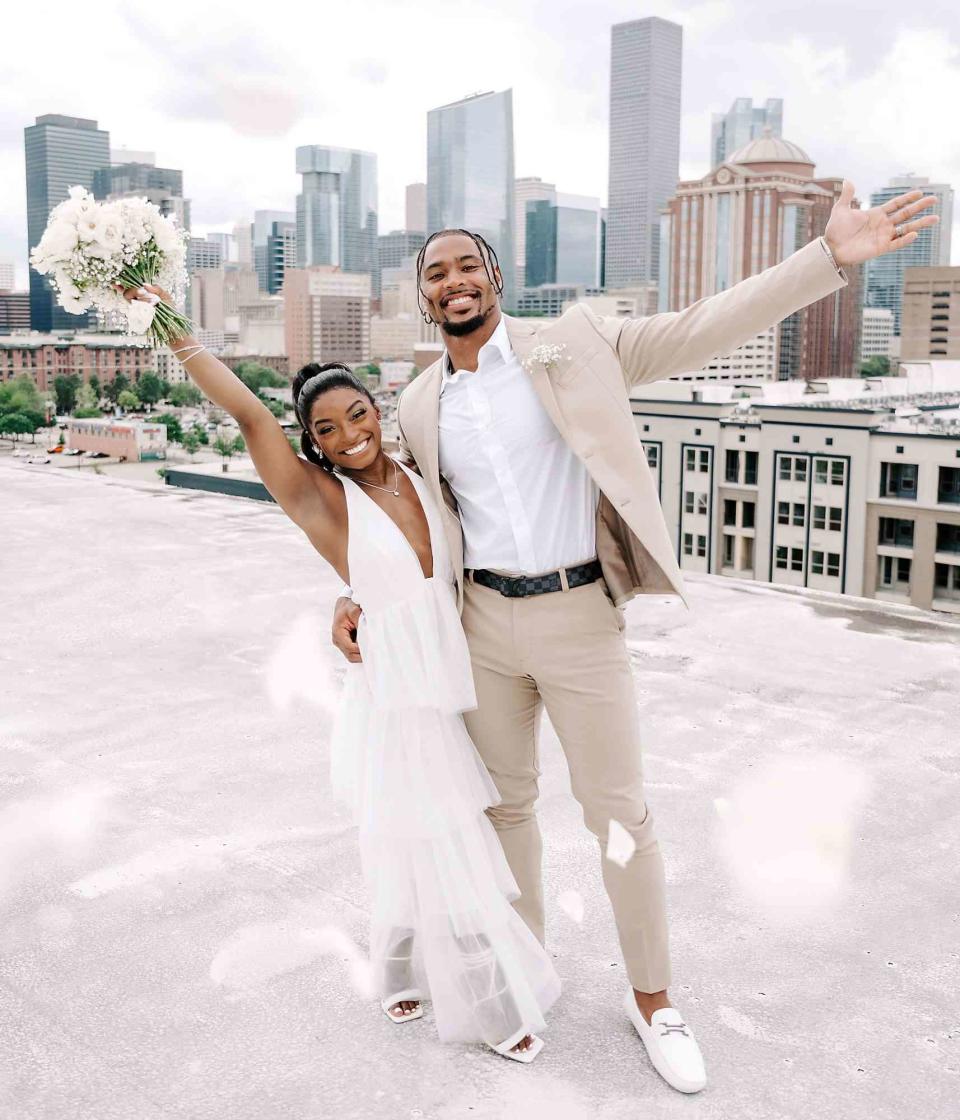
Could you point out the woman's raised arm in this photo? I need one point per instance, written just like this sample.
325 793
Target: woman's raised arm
292 482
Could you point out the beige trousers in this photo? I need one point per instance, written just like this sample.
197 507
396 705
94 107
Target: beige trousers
565 651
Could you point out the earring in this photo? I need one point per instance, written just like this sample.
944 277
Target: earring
318 451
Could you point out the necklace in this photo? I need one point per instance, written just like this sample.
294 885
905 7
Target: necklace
396 482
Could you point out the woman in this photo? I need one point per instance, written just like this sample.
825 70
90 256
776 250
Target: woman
441 923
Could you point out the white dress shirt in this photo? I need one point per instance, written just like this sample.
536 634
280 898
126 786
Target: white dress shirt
527 503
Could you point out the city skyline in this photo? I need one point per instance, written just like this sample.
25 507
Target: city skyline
257 93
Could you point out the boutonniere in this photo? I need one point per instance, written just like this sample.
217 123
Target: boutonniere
547 356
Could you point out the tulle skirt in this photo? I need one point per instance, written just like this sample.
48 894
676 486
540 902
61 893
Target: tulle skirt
439 883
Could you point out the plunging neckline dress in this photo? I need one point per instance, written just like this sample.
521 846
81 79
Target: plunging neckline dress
439 884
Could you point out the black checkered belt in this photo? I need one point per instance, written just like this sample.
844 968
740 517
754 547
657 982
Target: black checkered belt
518 587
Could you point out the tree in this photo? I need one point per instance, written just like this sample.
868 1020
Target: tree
94 384
114 388
877 366
239 446
150 388
184 394
174 431
86 403
257 377
65 393
278 408
15 424
166 389
191 442
20 395
224 447
128 399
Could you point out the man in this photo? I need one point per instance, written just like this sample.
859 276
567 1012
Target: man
527 440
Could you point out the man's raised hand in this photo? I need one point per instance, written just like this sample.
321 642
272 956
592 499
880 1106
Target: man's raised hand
346 615
861 235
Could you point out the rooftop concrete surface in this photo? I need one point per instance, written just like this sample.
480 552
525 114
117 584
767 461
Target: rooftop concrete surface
180 899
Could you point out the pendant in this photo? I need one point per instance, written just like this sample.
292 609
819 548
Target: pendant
396 493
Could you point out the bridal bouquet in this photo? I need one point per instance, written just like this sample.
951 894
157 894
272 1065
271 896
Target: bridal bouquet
88 247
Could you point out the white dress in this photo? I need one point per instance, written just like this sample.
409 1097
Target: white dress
439 883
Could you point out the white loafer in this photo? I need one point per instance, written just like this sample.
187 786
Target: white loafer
670 1044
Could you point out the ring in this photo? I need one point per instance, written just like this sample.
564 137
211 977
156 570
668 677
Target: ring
898 230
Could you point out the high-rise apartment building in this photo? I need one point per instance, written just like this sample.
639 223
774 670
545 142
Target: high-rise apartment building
260 230
876 335
140 178
530 189
884 275
931 314
563 241
281 254
470 177
749 213
229 250
742 123
337 210
202 253
14 313
60 152
645 67
416 207
7 276
395 247
326 316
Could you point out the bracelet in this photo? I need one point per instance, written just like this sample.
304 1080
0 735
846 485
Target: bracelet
195 350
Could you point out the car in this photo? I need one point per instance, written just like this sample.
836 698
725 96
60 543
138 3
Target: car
39 459
58 450
71 451
22 453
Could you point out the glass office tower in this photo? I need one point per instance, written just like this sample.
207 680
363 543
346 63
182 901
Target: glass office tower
931 248
563 241
61 152
337 210
742 123
645 62
470 177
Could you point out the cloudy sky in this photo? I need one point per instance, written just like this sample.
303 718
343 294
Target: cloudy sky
226 91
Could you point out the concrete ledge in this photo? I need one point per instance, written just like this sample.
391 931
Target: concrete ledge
218 484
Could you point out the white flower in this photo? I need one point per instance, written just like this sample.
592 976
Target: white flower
165 234
546 355
58 241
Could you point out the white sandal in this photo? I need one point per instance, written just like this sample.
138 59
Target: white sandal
525 1056
409 995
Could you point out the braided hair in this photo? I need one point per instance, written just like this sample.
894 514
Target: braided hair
487 253
321 378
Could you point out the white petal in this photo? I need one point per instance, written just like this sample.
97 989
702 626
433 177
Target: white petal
571 903
620 844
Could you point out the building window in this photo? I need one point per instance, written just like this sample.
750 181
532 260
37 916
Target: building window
728 544
948 538
748 514
799 470
819 517
691 459
796 559
833 563
688 499
894 571
786 468
696 431
799 514
704 461
820 471
946 579
729 512
898 480
796 439
896 532
948 485
746 554
783 513
701 503
701 545
646 427
838 472
732 471
653 456
829 441
742 438
816 563
688 544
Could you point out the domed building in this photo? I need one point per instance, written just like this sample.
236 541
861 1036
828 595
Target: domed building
749 213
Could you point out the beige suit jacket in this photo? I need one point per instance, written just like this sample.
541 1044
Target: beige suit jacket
587 395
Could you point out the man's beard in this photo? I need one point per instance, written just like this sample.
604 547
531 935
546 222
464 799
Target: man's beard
465 326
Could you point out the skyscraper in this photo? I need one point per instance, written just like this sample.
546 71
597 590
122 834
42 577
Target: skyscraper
563 241
260 230
645 64
930 250
61 152
126 178
416 207
397 246
741 124
281 254
337 210
530 189
326 316
751 212
470 179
